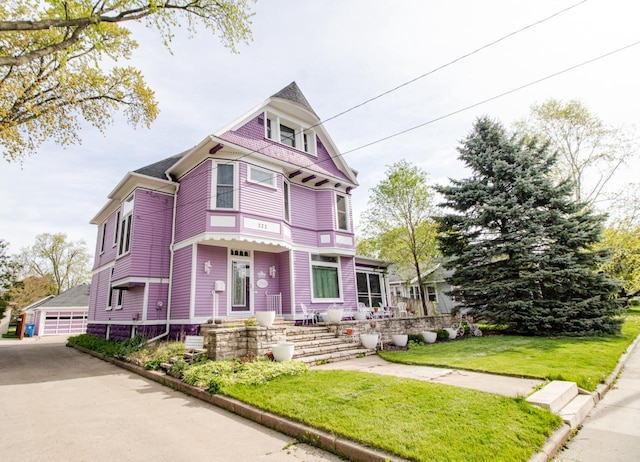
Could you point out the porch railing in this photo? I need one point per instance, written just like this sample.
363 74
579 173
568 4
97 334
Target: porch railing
274 303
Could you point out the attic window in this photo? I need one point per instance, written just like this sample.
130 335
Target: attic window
289 133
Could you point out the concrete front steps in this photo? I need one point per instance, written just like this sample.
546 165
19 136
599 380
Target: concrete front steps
319 345
566 400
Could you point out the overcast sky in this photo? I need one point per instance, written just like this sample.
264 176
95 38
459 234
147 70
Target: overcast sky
341 53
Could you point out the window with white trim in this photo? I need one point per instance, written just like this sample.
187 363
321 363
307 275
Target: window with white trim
325 278
104 235
116 228
289 133
261 176
120 297
125 225
110 294
224 186
287 206
341 212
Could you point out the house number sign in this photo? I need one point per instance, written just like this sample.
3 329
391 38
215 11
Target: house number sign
239 253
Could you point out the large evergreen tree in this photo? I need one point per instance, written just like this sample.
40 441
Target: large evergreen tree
520 245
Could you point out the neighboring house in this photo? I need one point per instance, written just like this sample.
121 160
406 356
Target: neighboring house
255 217
435 289
64 314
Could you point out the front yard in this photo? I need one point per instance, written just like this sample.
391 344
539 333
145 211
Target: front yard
413 419
586 361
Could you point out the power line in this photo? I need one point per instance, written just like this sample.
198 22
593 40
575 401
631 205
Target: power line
477 50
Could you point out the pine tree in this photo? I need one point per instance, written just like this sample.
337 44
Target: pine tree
520 245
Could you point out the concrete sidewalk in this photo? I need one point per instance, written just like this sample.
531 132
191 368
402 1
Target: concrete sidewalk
612 431
492 383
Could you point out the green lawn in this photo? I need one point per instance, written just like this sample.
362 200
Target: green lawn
414 419
586 361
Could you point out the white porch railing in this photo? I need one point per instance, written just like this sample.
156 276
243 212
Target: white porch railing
274 303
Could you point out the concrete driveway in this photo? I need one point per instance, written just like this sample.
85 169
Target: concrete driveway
57 404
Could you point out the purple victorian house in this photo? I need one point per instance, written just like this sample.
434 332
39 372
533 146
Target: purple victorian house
255 217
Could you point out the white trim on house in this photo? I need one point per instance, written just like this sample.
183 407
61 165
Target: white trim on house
102 268
337 265
194 279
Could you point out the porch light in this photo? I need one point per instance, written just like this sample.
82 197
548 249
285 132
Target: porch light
272 271
207 267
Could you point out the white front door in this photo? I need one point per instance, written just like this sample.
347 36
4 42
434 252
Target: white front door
240 286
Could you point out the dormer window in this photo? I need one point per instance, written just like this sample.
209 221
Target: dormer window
289 133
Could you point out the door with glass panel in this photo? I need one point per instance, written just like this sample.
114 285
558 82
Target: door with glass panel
240 286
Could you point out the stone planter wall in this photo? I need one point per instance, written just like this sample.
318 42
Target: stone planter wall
235 342
387 327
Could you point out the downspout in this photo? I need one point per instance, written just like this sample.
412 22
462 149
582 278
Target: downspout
173 239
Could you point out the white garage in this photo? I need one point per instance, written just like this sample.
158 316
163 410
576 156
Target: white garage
65 314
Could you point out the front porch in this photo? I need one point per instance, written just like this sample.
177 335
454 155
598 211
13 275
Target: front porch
319 343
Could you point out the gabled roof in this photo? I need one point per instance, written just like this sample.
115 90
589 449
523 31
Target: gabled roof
293 93
38 303
77 296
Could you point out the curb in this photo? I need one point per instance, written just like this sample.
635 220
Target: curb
563 434
342 447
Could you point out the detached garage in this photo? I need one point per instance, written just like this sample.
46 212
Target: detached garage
65 314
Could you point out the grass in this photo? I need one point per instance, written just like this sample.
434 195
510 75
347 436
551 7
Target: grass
413 419
584 360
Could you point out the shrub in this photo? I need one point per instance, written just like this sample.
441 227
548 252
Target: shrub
442 335
109 348
416 339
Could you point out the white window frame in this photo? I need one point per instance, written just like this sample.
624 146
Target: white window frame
119 299
116 229
110 293
269 184
346 212
272 124
327 264
214 185
126 223
104 237
286 196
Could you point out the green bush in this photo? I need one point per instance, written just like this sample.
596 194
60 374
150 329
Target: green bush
416 339
109 348
442 335
160 353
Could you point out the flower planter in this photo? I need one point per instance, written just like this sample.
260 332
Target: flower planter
265 318
429 337
369 340
400 339
282 351
335 314
360 316
452 332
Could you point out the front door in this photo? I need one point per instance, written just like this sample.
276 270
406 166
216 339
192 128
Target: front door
240 286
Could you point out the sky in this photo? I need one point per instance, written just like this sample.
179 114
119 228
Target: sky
342 53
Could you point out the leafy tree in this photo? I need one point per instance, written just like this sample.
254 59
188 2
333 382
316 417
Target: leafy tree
589 151
520 246
66 262
32 289
398 224
57 62
624 262
9 269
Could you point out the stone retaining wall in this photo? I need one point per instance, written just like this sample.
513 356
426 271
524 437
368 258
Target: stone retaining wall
388 327
235 342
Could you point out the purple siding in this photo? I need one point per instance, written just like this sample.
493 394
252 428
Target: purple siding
302 279
259 199
151 234
348 289
325 204
158 294
99 293
194 199
181 288
110 249
303 208
251 136
205 282
132 305
262 261
284 278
